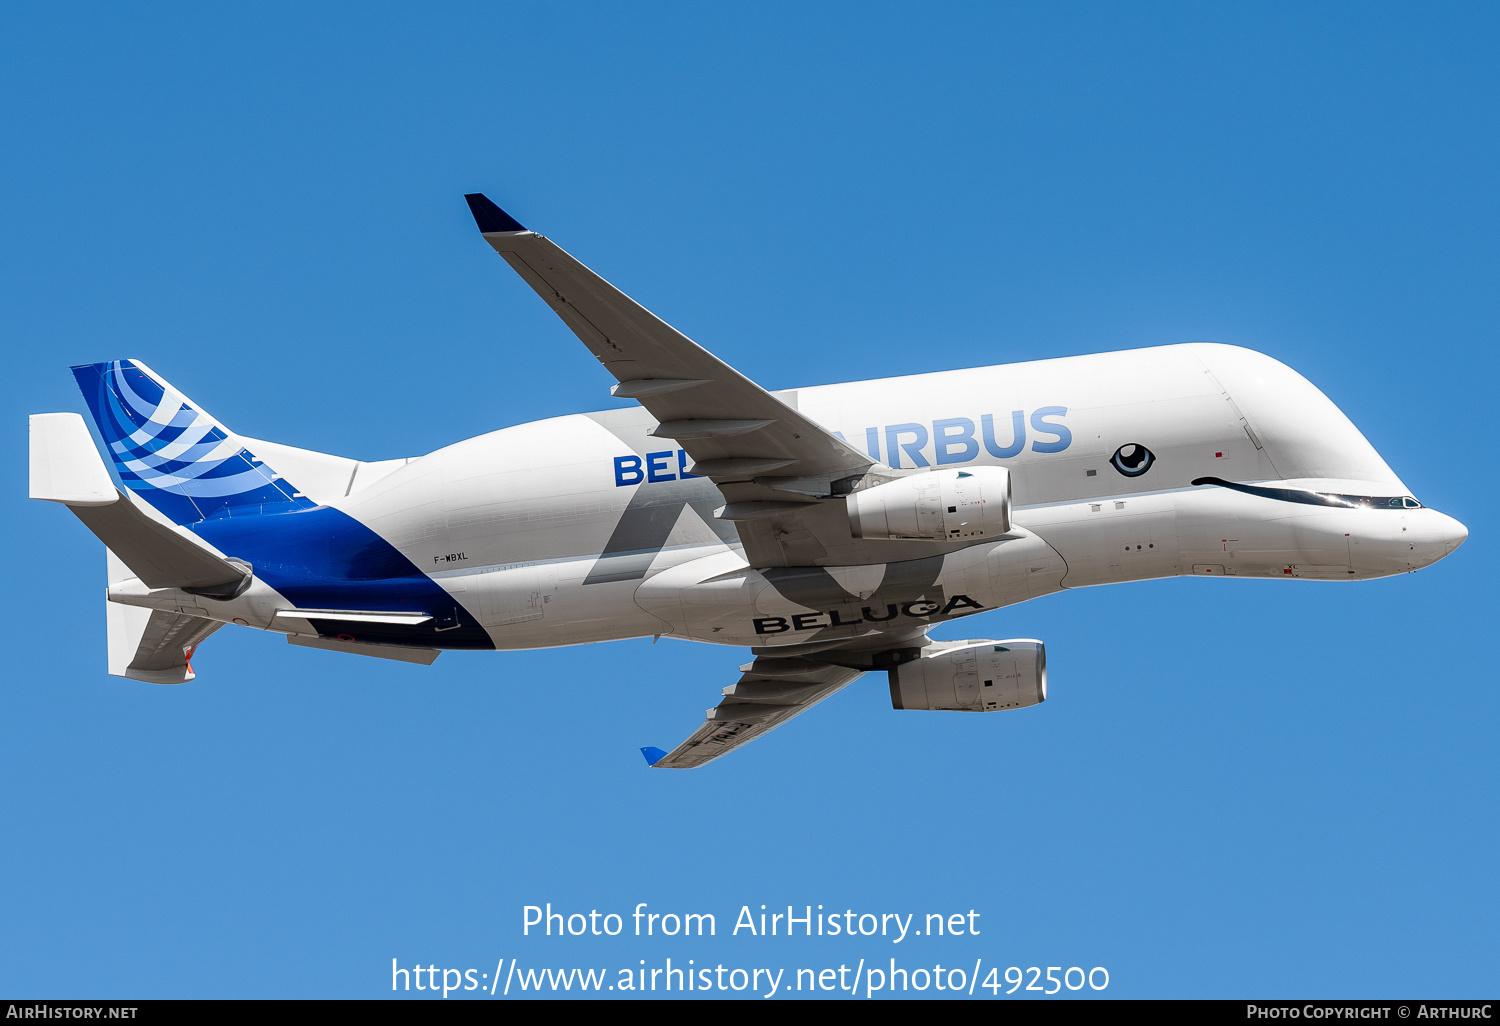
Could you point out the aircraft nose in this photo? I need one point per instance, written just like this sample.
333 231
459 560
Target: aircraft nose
1454 533
1435 535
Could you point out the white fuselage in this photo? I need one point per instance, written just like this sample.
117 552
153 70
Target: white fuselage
582 528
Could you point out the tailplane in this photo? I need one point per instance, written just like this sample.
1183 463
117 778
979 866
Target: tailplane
146 644
65 468
191 509
152 645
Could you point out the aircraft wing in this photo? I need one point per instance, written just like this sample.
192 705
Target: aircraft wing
770 691
771 462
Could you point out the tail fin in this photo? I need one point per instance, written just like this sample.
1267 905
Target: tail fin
171 453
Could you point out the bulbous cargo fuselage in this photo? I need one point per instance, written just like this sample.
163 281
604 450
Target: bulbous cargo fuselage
1194 459
827 528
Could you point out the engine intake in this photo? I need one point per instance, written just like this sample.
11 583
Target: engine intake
973 676
942 505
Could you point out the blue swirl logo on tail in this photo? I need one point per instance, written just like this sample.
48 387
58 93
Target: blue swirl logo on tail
174 455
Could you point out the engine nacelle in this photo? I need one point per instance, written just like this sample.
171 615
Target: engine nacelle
972 676
943 505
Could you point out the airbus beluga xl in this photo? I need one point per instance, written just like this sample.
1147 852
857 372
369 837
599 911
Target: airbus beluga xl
829 529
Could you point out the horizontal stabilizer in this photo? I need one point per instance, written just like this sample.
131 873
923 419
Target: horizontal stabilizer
154 645
400 653
161 554
66 468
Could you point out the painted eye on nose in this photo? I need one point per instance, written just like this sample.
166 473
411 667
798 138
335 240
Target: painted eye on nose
1132 460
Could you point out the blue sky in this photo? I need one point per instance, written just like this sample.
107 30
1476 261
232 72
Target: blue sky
1236 788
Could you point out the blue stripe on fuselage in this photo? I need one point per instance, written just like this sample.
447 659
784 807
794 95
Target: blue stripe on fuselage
322 558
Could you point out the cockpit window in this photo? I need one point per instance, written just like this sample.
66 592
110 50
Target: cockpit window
1317 498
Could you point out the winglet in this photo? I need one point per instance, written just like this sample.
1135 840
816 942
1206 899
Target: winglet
489 217
653 755
65 466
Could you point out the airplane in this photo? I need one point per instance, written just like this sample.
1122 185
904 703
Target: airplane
828 529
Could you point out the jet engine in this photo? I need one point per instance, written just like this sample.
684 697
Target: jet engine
972 676
942 505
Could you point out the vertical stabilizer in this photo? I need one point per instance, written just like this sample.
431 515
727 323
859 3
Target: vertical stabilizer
171 453
65 466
